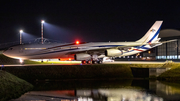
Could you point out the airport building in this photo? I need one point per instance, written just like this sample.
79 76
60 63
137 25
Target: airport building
170 50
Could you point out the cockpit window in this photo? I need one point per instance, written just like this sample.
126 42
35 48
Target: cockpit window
10 48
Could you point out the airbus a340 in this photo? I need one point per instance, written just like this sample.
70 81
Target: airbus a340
87 52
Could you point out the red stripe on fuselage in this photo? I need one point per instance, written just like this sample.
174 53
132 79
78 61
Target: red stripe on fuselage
138 50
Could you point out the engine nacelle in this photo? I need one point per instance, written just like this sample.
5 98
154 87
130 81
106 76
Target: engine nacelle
113 52
82 56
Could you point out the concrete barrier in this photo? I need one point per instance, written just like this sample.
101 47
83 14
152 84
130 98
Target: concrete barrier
147 72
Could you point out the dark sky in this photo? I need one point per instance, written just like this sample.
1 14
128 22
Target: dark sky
86 20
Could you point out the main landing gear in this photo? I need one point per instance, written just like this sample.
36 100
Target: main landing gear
91 61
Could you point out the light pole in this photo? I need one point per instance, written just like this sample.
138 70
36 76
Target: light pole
21 31
42 22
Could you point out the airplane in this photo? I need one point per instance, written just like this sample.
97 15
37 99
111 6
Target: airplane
87 52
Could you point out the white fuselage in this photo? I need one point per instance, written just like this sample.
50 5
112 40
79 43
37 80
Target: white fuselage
59 50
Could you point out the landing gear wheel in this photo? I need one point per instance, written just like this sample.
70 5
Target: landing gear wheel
94 62
88 62
83 61
100 62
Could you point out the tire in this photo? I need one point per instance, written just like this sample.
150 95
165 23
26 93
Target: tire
83 61
100 62
88 62
94 62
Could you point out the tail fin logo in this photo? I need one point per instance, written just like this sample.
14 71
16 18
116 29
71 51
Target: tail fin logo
153 30
152 34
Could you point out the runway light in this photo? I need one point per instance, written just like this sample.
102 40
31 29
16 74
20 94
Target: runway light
77 42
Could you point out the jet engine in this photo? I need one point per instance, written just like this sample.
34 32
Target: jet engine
113 52
82 56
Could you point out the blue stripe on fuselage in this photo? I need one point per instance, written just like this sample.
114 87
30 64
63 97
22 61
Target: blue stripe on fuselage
155 35
139 47
142 47
107 46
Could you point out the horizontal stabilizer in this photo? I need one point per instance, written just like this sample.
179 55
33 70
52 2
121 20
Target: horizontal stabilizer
169 41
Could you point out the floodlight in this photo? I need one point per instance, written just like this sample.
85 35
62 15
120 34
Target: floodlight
21 31
42 21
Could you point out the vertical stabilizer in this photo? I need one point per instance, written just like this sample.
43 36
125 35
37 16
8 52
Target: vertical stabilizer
152 34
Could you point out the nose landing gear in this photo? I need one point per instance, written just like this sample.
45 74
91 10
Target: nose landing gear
21 61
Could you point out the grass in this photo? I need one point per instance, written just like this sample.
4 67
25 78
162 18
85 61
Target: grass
172 74
71 72
60 72
146 65
6 60
12 86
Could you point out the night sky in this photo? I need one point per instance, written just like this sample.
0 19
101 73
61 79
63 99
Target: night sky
85 20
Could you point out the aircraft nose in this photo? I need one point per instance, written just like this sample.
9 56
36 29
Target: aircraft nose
5 52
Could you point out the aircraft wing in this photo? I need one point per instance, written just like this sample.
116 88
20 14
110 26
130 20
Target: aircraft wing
169 41
89 51
101 50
